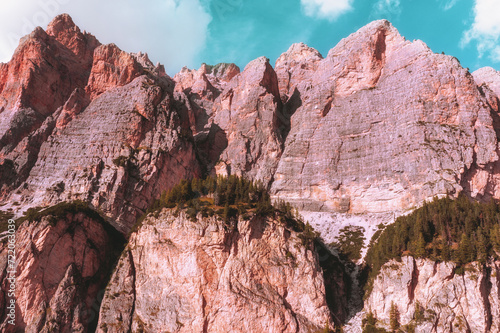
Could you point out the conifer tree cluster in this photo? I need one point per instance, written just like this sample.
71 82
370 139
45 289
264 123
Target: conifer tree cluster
459 230
229 198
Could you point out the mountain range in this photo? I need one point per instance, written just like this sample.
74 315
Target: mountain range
91 136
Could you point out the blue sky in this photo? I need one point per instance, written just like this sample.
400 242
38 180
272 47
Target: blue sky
189 32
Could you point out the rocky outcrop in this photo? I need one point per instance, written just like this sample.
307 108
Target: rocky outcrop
136 149
235 117
65 96
448 302
63 265
489 77
379 125
112 67
248 112
43 73
206 276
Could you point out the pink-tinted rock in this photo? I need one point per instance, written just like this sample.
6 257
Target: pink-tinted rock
112 67
184 276
381 125
62 267
134 151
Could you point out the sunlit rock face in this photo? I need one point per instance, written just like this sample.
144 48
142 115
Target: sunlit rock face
180 275
380 124
448 302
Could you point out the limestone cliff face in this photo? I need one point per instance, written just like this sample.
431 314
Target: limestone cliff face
134 151
43 73
449 302
177 275
63 265
380 124
236 117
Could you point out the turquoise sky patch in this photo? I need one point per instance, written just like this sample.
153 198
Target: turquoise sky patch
181 33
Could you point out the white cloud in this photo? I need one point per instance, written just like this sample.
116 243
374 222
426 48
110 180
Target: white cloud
326 9
387 8
171 31
485 30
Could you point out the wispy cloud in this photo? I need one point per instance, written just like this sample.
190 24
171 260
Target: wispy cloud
449 4
387 8
171 31
485 30
326 9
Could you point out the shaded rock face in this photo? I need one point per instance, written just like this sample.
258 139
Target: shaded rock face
489 77
63 266
43 73
235 117
380 124
184 276
450 303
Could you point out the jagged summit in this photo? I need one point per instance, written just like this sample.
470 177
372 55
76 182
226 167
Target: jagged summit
490 77
60 23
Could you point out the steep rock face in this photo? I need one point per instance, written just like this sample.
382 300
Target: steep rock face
235 117
205 276
450 302
51 79
133 151
62 267
380 124
248 111
42 74
293 67
112 67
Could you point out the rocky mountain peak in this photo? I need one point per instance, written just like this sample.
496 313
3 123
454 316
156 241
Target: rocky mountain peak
61 24
66 32
488 76
298 53
260 71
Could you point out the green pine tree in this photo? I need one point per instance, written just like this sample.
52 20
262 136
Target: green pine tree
394 317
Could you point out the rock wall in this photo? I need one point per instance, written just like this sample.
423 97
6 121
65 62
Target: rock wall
380 125
63 265
449 302
204 276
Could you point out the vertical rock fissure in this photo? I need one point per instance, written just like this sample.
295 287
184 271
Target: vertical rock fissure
132 310
485 289
413 283
464 317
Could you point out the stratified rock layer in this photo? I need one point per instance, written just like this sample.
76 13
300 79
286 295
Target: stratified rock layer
380 124
177 275
43 73
134 150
